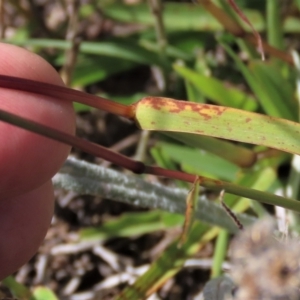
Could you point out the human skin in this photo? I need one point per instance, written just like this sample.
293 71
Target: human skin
27 160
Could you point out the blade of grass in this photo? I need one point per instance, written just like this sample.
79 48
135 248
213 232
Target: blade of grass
90 68
279 93
164 114
237 154
18 290
177 16
120 48
273 107
234 28
220 252
200 162
216 91
132 224
85 178
274 23
43 293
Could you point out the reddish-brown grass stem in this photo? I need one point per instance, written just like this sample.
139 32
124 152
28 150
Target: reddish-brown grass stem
86 146
65 93
92 148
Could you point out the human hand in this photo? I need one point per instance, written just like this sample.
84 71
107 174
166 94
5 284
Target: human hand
27 160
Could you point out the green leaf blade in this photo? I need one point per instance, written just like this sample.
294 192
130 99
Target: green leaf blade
217 91
164 114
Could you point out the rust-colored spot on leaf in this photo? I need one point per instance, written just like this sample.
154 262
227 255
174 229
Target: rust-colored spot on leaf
177 106
248 120
155 102
208 111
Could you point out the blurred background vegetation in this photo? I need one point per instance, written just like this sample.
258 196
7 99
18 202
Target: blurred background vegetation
125 50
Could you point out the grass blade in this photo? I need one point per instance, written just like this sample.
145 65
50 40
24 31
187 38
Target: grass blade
164 114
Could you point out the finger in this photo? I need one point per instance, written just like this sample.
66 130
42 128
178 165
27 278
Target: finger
28 160
24 220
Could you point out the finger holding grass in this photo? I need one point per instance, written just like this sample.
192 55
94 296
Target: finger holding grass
28 161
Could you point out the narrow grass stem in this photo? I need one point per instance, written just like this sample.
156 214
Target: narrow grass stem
274 24
156 8
157 11
219 253
235 29
71 54
74 141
